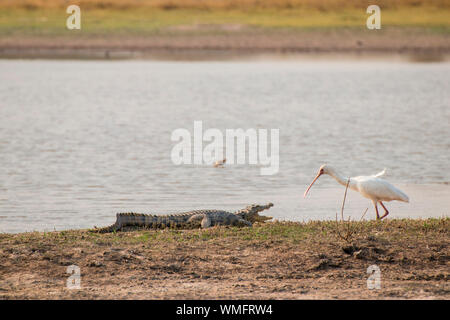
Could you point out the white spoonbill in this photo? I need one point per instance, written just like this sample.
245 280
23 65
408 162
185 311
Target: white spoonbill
371 187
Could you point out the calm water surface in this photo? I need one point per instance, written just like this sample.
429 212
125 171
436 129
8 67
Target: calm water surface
82 140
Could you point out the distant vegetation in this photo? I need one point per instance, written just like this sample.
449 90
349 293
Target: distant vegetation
47 17
224 4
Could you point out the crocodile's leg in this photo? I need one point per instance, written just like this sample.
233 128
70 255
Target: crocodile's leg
202 219
244 223
206 222
197 220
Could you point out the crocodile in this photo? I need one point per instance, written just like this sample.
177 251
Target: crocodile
188 220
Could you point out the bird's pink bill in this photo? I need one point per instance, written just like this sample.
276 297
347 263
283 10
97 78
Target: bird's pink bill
317 177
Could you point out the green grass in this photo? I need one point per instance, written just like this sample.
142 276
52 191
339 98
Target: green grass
142 21
292 232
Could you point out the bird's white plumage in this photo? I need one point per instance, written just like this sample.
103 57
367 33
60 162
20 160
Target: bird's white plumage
371 187
378 189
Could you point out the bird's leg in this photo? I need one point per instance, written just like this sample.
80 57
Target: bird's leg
386 212
376 210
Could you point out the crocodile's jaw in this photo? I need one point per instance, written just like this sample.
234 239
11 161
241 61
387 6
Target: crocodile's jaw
251 213
259 218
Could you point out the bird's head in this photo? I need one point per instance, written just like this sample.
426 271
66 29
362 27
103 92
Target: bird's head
324 169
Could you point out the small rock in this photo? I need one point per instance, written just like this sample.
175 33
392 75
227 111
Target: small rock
322 265
95 263
350 249
361 254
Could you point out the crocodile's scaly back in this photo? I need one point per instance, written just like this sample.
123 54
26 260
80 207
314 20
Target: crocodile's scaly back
150 221
188 220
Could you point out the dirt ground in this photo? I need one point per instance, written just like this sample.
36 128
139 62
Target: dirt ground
272 261
208 43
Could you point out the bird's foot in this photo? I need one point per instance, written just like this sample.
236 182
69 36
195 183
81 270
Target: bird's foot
384 215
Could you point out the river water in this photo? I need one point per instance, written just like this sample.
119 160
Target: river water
82 140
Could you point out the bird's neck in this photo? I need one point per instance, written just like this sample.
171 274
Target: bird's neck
339 178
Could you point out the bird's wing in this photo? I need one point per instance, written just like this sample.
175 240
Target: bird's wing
381 173
379 189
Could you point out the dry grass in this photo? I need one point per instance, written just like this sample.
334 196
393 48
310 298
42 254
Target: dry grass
323 5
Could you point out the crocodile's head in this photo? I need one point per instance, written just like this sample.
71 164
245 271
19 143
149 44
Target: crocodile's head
251 213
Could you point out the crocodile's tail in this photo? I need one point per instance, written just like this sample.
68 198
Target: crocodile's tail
133 220
112 228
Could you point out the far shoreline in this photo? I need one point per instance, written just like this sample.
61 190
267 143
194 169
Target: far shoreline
391 43
187 55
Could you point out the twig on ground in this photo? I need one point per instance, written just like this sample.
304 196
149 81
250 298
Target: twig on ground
347 233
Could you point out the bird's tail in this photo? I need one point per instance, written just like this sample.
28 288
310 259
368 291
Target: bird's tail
403 197
381 173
